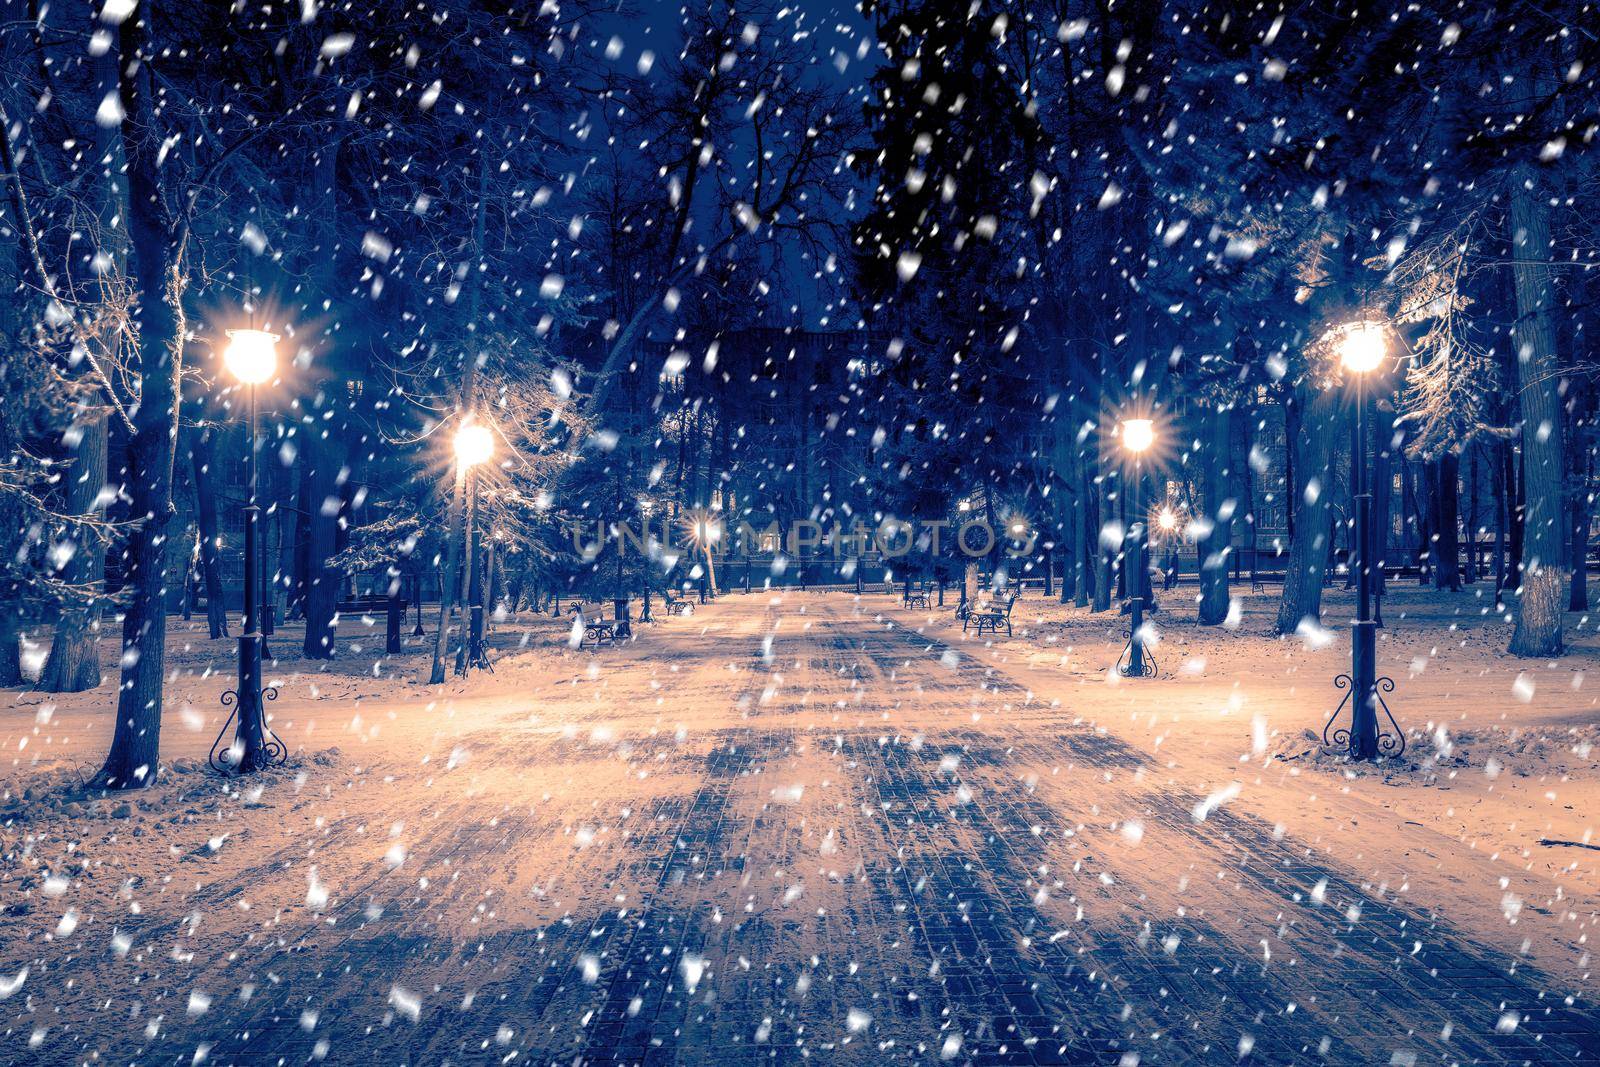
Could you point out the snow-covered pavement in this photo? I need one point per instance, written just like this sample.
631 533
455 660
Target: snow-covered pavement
783 826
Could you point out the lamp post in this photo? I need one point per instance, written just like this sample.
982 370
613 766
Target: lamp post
474 446
251 357
1167 520
707 530
1137 437
1362 349
644 568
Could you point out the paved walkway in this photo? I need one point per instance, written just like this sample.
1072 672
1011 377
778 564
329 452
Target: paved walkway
848 843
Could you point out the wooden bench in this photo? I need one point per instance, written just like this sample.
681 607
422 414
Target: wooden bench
677 605
366 605
991 618
917 598
600 631
392 608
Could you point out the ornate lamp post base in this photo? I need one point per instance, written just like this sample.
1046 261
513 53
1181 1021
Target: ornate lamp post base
1137 662
235 757
477 643
1390 741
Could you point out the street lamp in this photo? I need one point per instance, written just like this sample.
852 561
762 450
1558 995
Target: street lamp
251 357
474 446
1137 437
645 507
706 529
1363 347
1168 521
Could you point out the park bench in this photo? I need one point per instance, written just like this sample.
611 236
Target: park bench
599 631
991 618
392 608
366 604
676 605
916 598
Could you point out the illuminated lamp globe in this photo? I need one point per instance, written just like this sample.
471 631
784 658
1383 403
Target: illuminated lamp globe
1138 434
251 355
474 444
1363 347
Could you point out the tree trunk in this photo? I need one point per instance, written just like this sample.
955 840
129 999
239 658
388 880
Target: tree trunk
449 585
1103 556
1578 596
1427 525
1539 616
1308 551
1514 514
1215 547
1446 531
202 453
1408 514
73 664
1066 508
284 524
322 503
157 273
1580 468
1470 572
1382 498
10 649
1502 521
1291 435
1083 537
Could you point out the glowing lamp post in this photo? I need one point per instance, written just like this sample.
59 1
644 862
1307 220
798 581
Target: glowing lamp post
1137 437
474 446
1363 347
252 358
1167 522
707 530
645 507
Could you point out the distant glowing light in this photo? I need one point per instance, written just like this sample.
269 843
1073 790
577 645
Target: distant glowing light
251 355
1138 434
1363 347
474 444
704 527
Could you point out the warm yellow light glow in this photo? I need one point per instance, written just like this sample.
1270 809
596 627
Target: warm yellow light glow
1167 519
702 526
1363 347
474 444
1138 434
251 355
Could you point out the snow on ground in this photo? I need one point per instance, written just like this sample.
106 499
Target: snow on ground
817 823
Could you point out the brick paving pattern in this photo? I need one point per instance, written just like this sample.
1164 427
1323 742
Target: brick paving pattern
887 850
